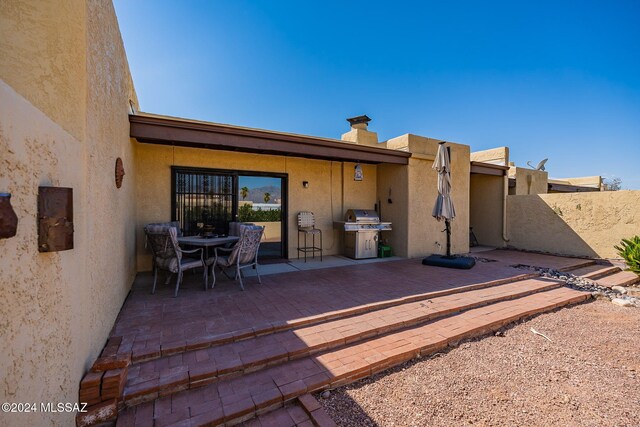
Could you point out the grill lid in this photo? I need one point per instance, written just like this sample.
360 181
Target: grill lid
364 216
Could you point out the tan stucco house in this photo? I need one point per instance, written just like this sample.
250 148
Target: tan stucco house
68 111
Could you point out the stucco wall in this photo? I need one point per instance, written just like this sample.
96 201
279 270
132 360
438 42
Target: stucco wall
497 156
43 57
64 94
581 224
486 208
331 191
528 181
393 184
414 189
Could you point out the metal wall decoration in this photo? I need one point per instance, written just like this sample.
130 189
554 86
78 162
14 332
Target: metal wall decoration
8 217
119 172
55 219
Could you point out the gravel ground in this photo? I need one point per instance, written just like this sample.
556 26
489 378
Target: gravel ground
588 375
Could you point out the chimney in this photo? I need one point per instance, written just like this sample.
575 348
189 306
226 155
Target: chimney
359 132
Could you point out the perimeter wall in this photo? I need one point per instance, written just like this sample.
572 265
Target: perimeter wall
579 224
64 100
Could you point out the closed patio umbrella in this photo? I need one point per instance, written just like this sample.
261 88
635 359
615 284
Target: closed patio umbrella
444 210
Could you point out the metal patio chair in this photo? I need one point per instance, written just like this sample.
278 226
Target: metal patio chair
242 255
167 255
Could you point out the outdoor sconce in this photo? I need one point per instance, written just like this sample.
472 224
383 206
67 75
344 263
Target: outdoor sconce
357 172
305 184
55 219
8 217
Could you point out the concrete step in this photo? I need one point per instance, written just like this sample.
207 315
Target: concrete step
622 278
233 400
153 350
596 271
191 369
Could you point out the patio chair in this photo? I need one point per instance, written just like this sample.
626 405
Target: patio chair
242 255
307 226
167 255
175 224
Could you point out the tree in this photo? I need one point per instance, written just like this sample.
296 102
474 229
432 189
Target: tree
612 184
244 192
267 197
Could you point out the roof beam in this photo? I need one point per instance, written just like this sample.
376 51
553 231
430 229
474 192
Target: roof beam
187 133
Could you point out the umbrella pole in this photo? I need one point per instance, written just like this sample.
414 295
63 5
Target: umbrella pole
448 228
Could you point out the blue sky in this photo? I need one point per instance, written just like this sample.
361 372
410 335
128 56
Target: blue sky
549 79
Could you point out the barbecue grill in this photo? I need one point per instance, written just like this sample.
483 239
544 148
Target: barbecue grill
362 228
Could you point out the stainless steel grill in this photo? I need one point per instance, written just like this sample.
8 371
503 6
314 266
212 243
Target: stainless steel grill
362 228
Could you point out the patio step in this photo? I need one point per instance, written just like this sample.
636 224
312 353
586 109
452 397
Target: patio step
579 263
622 278
152 349
594 272
201 367
233 400
305 412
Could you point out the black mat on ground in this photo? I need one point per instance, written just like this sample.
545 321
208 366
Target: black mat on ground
461 262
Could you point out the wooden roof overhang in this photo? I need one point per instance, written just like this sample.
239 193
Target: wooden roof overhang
153 129
567 188
488 169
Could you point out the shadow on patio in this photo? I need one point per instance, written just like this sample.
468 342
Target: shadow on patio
224 355
149 323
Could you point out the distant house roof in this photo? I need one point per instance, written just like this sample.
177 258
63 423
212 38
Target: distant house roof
156 129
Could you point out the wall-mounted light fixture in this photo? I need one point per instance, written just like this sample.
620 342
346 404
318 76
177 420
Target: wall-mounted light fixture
119 173
305 184
357 172
8 217
55 219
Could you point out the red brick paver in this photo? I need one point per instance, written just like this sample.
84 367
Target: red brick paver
622 278
236 398
225 356
593 272
153 325
205 365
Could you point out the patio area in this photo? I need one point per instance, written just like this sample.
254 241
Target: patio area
226 355
159 323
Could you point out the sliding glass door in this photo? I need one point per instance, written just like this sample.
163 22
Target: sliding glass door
260 201
206 200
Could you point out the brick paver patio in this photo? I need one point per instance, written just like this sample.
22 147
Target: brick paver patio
150 322
226 356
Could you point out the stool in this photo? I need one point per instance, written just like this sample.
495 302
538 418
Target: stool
307 226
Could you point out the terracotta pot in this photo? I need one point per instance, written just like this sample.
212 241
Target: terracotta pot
8 218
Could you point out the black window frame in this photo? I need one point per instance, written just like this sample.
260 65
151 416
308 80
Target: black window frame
235 174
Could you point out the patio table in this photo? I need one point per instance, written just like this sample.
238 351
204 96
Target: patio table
207 242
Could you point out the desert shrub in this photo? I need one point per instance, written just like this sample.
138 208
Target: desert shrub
247 214
629 249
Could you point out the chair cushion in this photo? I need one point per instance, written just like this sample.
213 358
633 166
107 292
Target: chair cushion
174 224
223 261
188 263
170 264
236 227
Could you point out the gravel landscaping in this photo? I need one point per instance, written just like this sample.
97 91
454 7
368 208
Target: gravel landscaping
587 375
624 296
